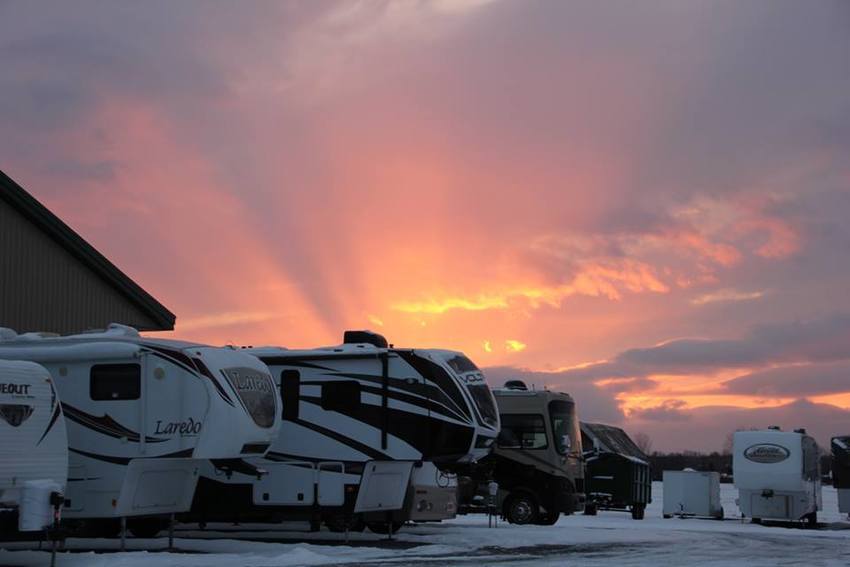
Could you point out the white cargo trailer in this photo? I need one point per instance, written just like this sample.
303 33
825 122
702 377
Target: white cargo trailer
692 493
777 474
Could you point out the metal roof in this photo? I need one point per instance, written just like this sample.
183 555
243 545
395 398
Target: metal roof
62 234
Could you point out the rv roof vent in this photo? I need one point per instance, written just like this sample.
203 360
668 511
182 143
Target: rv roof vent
515 385
368 337
801 431
122 330
774 428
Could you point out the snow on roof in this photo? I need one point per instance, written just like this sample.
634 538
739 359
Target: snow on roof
608 438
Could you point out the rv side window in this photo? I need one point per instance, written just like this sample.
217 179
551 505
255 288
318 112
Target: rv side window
341 396
115 382
523 431
290 393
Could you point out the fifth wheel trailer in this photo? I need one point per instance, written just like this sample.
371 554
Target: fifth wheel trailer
363 404
33 450
777 474
143 415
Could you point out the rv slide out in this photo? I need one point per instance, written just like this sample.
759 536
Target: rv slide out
143 415
33 450
347 409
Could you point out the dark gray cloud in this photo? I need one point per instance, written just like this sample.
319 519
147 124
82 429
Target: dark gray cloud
594 403
794 381
819 340
707 427
670 410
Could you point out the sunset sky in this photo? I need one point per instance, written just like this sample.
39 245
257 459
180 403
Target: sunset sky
645 204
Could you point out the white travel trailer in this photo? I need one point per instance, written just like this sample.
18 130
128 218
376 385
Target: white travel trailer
33 449
142 414
777 474
360 403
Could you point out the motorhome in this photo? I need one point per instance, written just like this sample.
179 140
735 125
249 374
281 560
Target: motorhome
143 414
359 413
537 459
841 471
33 450
777 474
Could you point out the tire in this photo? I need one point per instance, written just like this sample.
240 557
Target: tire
522 509
384 528
337 523
146 527
812 520
638 511
106 528
590 509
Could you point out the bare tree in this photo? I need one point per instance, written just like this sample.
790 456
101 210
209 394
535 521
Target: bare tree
728 443
644 443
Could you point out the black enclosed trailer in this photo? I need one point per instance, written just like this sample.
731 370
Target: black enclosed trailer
617 474
841 471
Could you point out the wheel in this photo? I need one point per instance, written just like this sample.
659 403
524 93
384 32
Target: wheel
590 509
108 528
384 528
638 511
146 527
811 519
522 509
315 524
337 523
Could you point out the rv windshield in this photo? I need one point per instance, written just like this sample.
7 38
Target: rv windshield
486 405
565 427
477 387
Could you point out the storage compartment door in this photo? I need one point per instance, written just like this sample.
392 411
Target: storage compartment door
158 486
331 484
383 486
286 484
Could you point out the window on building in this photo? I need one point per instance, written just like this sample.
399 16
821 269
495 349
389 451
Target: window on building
290 393
341 396
523 431
115 382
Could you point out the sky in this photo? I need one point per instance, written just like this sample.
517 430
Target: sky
642 204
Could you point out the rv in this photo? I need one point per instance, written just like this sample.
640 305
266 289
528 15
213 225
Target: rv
143 414
367 428
777 474
841 471
33 450
537 460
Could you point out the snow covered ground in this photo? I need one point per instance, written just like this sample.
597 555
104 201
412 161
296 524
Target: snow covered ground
609 538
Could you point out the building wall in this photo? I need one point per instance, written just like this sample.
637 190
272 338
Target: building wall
45 288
